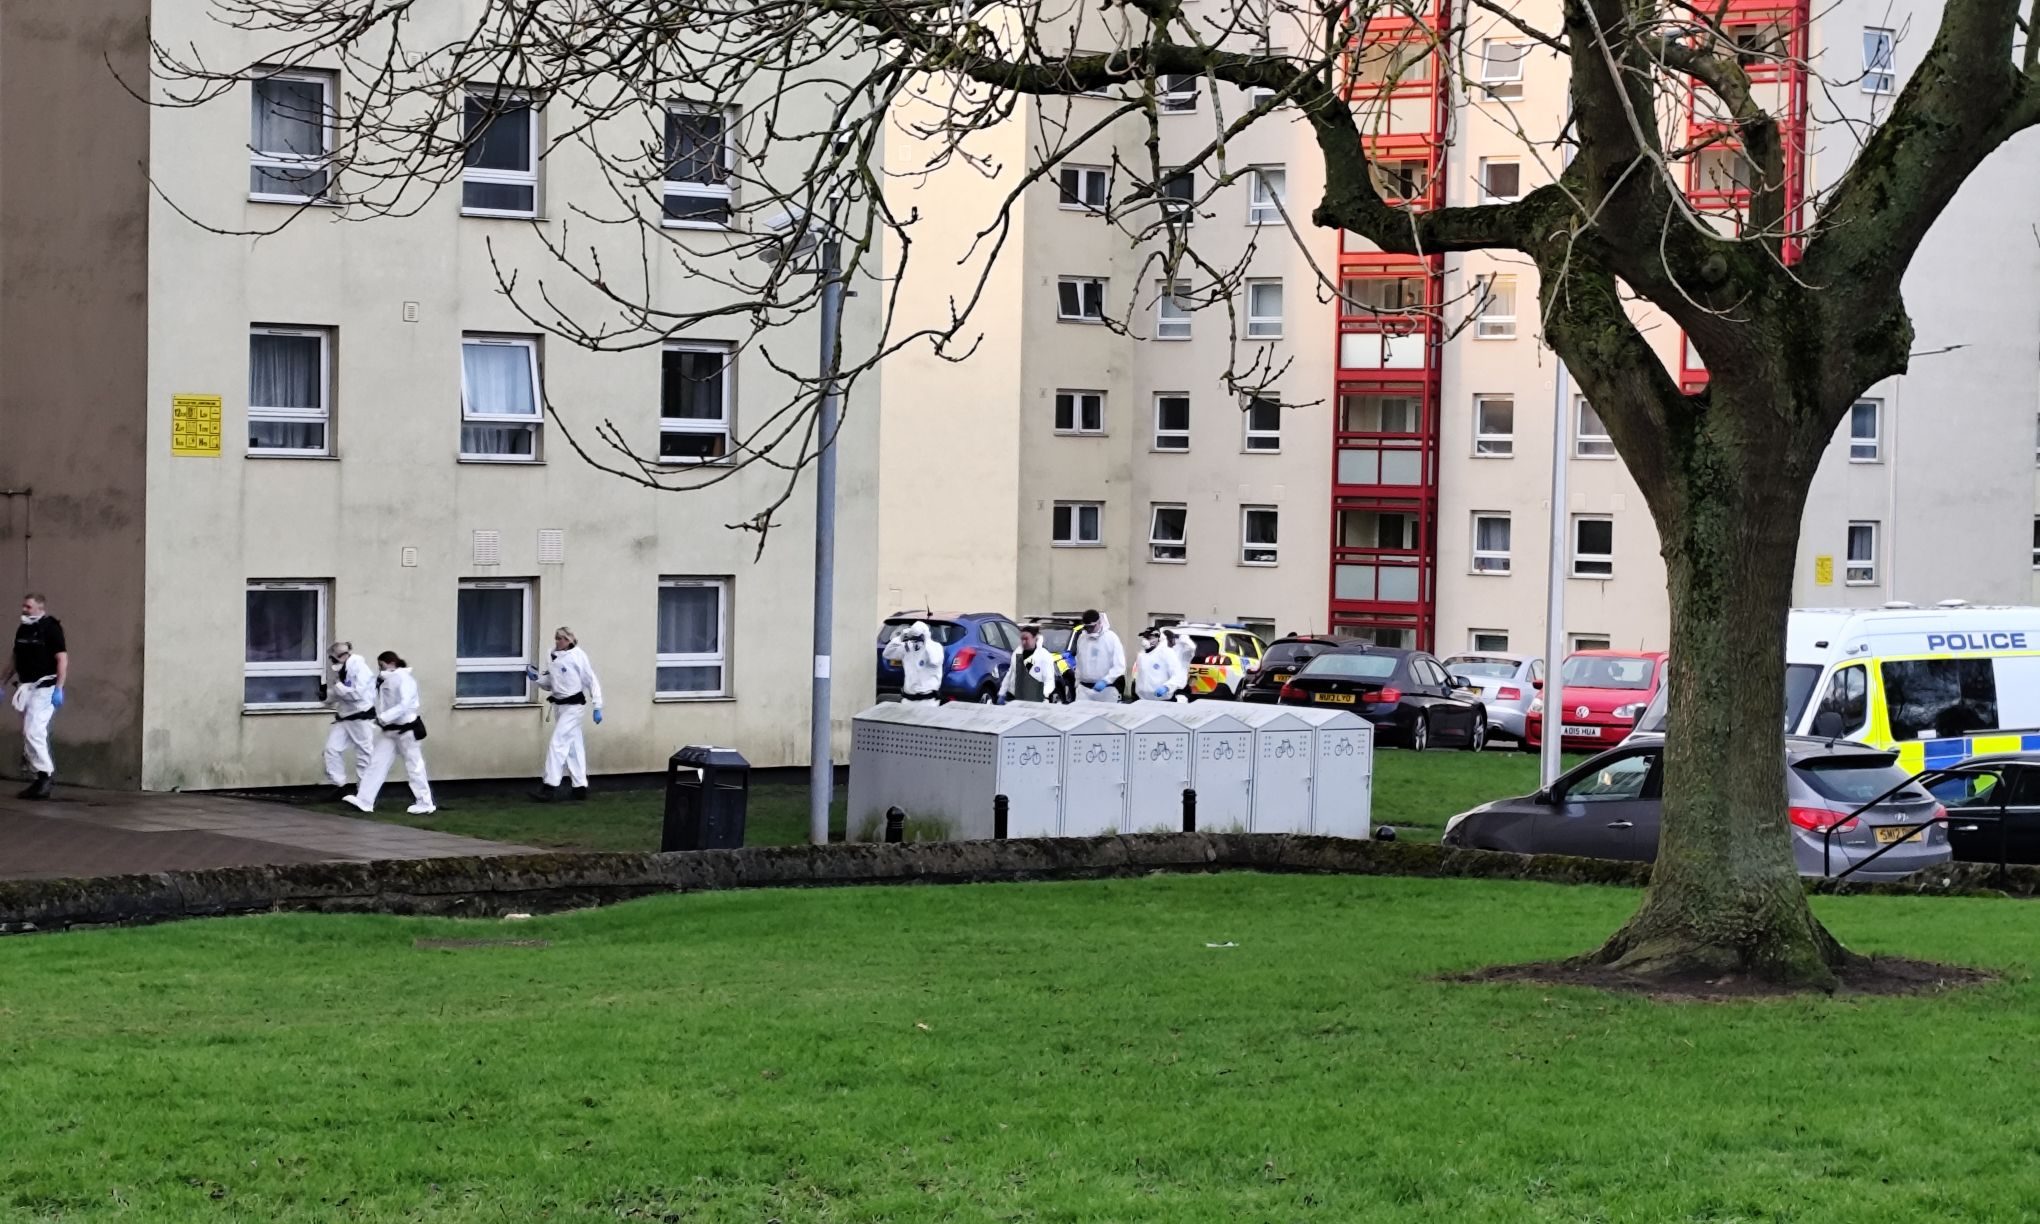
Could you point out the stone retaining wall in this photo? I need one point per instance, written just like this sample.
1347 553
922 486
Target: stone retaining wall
545 883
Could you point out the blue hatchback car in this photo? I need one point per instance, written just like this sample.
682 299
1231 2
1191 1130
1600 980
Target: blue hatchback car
977 648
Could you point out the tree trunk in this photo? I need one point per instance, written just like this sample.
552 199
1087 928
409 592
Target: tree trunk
1725 897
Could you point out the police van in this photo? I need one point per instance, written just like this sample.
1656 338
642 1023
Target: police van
1939 684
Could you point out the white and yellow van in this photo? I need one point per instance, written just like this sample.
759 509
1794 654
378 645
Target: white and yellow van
1939 684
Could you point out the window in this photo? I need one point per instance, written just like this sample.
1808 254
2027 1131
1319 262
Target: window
1407 179
1380 414
1084 188
1264 424
1166 527
1177 92
1077 525
1593 546
1257 535
286 638
1488 641
1501 67
1614 782
1491 534
1848 695
1500 181
1172 422
1080 412
500 174
1265 187
1945 698
1863 424
694 618
1494 426
1495 317
1264 309
290 378
1080 299
1178 196
1590 436
1172 320
1377 294
699 164
1862 566
697 401
1879 77
290 141
2036 542
1587 641
499 399
492 642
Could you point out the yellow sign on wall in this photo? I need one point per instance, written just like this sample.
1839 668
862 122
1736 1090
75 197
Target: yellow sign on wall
1823 571
195 425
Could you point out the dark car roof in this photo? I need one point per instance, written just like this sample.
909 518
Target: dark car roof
1802 747
1393 652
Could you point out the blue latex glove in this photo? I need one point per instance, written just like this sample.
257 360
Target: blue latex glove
57 700
1002 699
530 672
1101 686
598 716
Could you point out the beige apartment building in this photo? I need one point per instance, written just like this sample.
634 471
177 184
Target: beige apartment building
220 451
1404 495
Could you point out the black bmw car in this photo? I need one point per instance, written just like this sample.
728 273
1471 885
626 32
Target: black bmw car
1404 693
1284 659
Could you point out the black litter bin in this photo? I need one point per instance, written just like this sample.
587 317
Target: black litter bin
707 790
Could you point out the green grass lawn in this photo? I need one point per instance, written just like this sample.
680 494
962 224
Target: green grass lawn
1044 1052
1416 792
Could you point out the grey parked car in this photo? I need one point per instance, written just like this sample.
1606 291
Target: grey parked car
1508 683
1609 807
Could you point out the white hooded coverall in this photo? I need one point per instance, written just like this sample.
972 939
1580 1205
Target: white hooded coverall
1186 650
1099 657
922 668
396 705
1159 673
570 675
352 696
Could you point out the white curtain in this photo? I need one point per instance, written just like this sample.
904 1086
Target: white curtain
497 380
289 118
690 620
1492 535
283 372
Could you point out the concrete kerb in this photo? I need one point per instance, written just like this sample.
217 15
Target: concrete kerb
548 883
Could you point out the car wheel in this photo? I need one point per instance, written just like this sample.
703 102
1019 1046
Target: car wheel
1420 734
1221 693
1479 738
988 696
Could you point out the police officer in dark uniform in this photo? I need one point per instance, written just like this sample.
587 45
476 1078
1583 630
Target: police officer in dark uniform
37 669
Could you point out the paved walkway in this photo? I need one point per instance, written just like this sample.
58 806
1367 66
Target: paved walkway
98 833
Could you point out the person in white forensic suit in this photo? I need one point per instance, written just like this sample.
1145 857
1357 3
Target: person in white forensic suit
1158 670
920 658
400 728
1101 660
573 691
1183 644
350 690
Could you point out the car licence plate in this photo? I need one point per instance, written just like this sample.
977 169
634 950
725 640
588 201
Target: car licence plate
1886 836
1582 732
1334 698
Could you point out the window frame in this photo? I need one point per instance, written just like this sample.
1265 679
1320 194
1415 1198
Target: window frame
1081 282
1577 558
1476 646
315 667
329 84
1173 97
324 414
1493 288
535 421
1875 442
1171 294
1582 439
1156 541
1262 321
1506 556
1498 86
1859 572
1076 203
1248 434
506 178
698 427
1576 642
724 191
1487 195
719 660
1176 195
1486 438
1880 80
493 665
1160 433
1076 395
1075 520
1266 211
1273 548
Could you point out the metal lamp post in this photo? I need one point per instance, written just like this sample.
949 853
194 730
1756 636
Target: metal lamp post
1554 605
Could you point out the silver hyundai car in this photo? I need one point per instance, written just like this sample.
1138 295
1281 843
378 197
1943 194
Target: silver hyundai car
1609 806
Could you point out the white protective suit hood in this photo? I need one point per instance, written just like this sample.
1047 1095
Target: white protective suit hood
1100 656
920 670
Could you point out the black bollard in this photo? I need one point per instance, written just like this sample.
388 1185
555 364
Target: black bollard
1189 810
999 806
895 825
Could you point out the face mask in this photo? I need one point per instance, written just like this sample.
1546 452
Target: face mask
30 620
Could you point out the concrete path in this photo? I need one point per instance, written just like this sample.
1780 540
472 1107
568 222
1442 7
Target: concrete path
99 833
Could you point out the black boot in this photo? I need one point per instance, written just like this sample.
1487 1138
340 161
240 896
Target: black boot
546 793
580 793
352 788
38 789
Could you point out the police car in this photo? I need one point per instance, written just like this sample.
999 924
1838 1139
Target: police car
1224 657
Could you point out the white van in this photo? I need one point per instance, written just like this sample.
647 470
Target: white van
1938 684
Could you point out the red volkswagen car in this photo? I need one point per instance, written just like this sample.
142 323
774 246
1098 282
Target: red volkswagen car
1604 691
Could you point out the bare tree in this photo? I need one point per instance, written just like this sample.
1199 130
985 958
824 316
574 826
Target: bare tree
1792 299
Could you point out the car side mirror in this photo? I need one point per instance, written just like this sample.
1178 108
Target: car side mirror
1545 797
1828 725
1538 685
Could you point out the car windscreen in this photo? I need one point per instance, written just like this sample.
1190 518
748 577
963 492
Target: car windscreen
1799 681
1607 672
1854 779
1341 666
1292 654
1476 665
946 632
